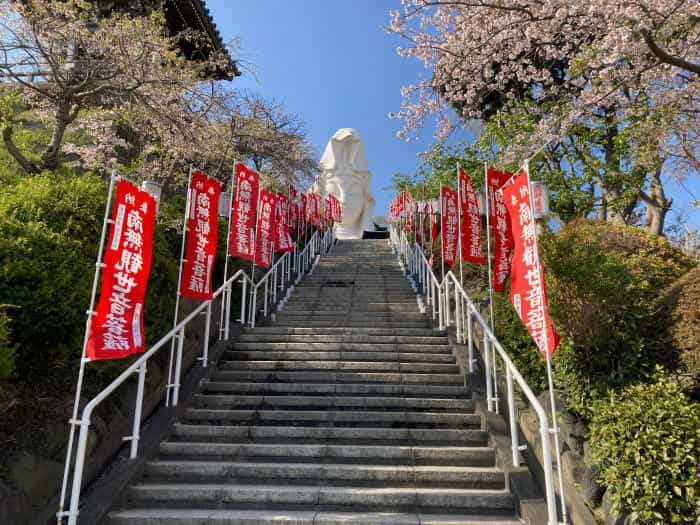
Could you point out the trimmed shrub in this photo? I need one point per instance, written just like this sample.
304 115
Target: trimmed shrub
602 281
679 320
646 441
49 231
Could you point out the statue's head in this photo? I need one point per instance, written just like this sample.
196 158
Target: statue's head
345 174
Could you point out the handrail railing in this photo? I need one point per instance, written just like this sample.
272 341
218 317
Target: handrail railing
277 279
139 366
465 314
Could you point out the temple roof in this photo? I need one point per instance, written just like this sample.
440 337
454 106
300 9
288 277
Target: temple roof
194 14
181 15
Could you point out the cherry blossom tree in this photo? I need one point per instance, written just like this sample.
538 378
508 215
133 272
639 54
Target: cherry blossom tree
611 67
117 92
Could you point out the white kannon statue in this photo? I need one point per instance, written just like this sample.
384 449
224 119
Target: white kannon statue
344 173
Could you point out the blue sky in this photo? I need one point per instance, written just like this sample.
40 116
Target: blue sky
331 62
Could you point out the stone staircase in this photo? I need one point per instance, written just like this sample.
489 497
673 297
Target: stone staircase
348 409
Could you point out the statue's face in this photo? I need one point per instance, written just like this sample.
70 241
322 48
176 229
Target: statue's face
349 188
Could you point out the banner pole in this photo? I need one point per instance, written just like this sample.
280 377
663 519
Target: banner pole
225 300
179 284
459 225
255 241
487 200
83 360
550 380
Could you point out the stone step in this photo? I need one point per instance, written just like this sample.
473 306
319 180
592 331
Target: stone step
393 403
268 376
263 352
324 474
414 340
338 330
343 366
353 436
297 316
353 307
382 454
166 516
229 495
313 323
338 417
324 389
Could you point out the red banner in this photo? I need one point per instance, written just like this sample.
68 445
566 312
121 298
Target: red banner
202 236
243 211
500 224
433 224
528 291
283 241
449 225
327 210
302 213
471 221
293 225
314 208
265 229
116 329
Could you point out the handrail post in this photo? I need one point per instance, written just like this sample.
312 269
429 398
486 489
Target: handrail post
274 286
512 414
207 327
227 323
265 298
548 475
244 285
487 370
470 340
254 307
441 307
78 472
458 315
446 298
136 429
178 366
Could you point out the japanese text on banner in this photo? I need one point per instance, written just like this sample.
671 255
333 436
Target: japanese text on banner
528 291
116 329
471 221
449 225
244 209
265 229
202 237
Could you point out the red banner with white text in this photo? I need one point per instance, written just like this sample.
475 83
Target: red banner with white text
265 230
243 212
528 291
283 241
116 328
449 225
471 221
302 213
500 224
202 236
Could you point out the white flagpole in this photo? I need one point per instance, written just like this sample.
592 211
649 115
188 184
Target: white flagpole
84 360
442 235
487 200
459 225
179 283
224 298
555 427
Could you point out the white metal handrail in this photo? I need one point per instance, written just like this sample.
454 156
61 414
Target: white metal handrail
465 314
139 367
269 280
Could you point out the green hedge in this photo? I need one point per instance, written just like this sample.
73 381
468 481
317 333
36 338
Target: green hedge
646 441
602 282
49 230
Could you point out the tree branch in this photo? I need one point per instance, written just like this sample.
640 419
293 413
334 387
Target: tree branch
27 165
666 57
